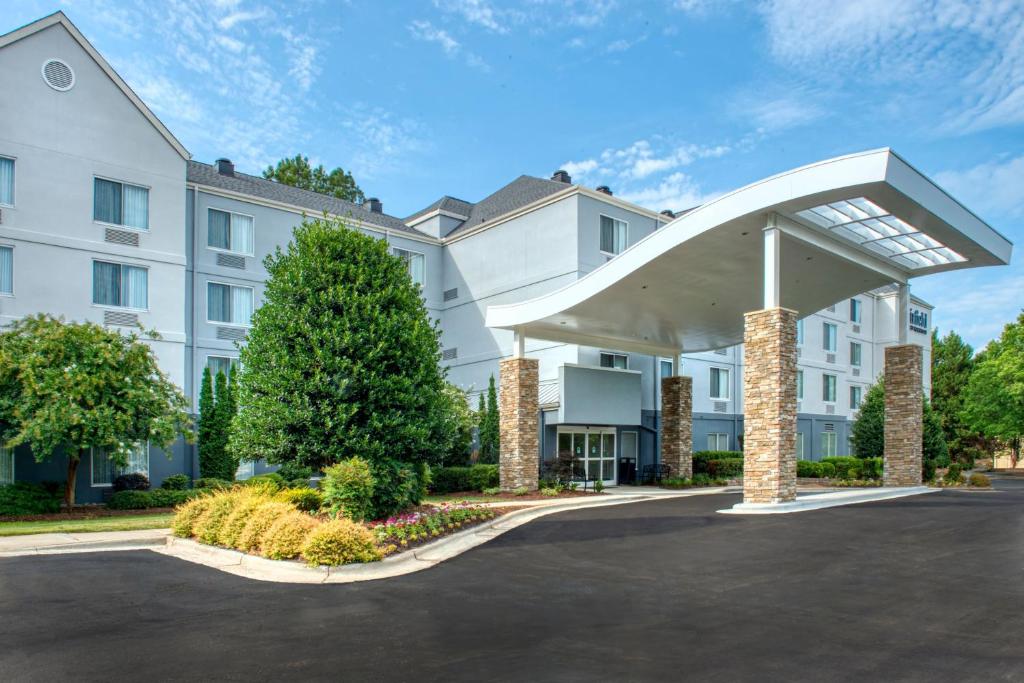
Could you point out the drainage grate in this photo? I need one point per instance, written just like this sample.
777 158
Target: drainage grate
129 239
231 333
120 318
231 261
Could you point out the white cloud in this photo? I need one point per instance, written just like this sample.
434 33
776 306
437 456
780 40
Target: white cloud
995 187
427 32
976 304
380 140
478 12
676 192
771 115
641 159
165 96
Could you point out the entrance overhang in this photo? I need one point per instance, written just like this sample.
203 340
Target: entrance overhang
846 225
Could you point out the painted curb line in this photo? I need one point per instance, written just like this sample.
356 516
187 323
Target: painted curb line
831 499
407 562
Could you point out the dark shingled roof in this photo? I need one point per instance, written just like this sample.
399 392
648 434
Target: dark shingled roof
204 174
445 203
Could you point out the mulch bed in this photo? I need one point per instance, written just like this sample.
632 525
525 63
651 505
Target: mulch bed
84 512
472 496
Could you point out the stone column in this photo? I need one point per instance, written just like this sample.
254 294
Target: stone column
903 415
677 425
769 406
520 421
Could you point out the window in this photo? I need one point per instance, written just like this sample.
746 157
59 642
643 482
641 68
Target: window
230 231
799 332
719 383
6 270
246 470
855 354
829 442
799 385
614 360
120 204
828 388
104 471
613 235
6 466
115 284
855 310
799 445
665 367
416 264
829 332
6 181
229 304
718 441
218 364
855 394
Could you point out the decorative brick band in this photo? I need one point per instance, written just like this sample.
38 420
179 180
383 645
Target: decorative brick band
903 415
769 406
519 409
677 425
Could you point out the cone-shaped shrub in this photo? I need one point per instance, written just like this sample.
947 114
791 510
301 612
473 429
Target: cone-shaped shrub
340 541
285 538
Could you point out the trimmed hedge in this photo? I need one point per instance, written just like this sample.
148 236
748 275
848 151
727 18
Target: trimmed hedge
339 541
135 481
724 468
702 458
24 498
286 536
157 498
212 483
843 465
456 479
176 482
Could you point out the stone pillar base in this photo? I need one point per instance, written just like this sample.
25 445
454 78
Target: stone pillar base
769 406
904 415
519 409
677 425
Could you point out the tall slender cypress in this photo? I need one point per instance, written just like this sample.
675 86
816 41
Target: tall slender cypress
207 426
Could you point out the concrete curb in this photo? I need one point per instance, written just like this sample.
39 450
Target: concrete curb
407 562
827 500
85 542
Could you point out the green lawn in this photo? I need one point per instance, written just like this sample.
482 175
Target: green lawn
73 526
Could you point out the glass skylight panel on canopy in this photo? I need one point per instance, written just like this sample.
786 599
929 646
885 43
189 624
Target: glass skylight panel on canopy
865 223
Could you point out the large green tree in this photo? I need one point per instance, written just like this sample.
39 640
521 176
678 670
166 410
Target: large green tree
341 360
297 172
867 435
994 397
75 386
952 365
457 428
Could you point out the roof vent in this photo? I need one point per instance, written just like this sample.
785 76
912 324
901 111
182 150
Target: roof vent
225 167
668 213
561 176
58 75
373 205
604 189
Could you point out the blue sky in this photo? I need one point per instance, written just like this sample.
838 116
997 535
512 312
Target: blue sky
669 103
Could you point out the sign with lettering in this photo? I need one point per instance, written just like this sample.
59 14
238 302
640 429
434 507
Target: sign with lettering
918 321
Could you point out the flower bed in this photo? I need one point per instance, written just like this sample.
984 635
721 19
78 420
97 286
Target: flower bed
412 528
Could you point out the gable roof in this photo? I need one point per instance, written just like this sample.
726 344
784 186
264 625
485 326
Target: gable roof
254 186
459 207
60 18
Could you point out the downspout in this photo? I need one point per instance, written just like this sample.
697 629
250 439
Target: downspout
192 312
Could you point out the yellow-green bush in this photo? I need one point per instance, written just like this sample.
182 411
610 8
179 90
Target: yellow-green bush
207 527
261 519
186 515
286 536
235 523
304 498
340 541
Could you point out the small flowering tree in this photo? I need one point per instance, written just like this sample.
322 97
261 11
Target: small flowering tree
77 386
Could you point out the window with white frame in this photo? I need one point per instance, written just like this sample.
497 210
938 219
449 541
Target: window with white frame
799 385
416 263
225 364
828 388
799 445
855 310
6 466
718 441
120 285
231 304
6 181
104 471
614 234
6 269
614 360
665 367
829 334
855 398
230 232
855 352
799 332
120 204
829 444
719 383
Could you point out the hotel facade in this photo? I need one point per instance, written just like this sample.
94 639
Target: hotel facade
104 217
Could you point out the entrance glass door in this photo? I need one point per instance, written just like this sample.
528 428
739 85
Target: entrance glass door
593 452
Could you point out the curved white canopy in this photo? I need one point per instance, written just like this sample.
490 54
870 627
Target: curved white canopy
848 225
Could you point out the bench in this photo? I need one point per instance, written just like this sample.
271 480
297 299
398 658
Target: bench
653 474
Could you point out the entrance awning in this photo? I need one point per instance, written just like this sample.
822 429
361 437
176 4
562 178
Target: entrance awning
847 225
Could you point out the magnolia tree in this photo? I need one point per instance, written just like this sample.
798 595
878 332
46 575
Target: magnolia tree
78 386
342 361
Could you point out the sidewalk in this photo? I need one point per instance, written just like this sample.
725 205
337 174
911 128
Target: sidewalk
92 541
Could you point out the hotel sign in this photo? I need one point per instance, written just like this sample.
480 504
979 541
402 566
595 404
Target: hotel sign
918 321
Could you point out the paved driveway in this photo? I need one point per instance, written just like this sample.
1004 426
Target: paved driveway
925 588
